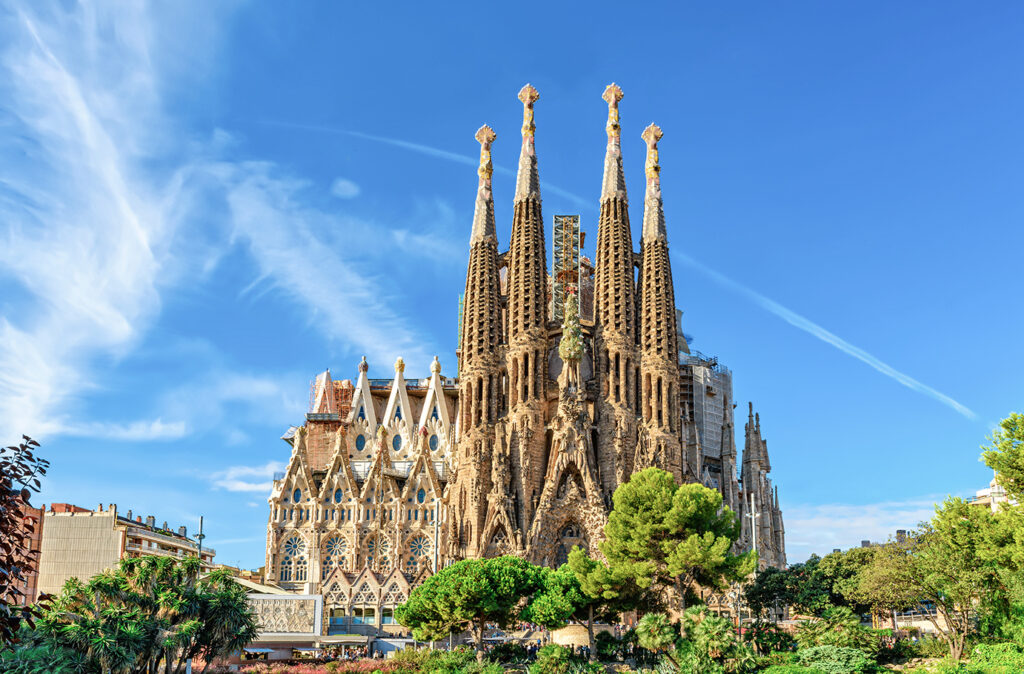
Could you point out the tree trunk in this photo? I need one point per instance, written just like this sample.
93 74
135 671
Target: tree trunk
590 633
895 624
480 641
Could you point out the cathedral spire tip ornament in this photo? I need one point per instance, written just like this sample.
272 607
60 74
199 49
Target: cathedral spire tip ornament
483 214
527 179
612 95
435 366
399 366
654 215
363 365
614 182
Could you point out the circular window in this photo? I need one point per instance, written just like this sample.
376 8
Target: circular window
419 546
297 495
337 496
336 546
396 443
433 443
421 496
360 442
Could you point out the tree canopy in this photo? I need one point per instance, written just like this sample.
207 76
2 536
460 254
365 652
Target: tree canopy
672 536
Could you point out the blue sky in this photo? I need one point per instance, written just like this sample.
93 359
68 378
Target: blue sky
202 206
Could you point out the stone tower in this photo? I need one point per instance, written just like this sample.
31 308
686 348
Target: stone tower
660 437
479 367
526 358
617 366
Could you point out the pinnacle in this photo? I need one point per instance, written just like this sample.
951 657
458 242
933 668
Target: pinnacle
528 179
654 214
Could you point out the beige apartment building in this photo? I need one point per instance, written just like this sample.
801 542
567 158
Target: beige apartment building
80 543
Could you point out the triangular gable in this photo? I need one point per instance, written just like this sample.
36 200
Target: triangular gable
435 405
324 389
421 465
297 472
340 473
398 408
362 400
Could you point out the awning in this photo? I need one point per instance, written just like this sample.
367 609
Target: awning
258 650
342 639
307 650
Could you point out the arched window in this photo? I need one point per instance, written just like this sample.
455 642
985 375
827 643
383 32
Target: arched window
396 442
338 494
293 562
362 415
434 415
421 496
398 412
360 442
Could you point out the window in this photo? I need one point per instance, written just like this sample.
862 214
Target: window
433 443
419 546
434 415
387 616
297 495
338 495
396 442
362 415
334 552
293 563
421 496
398 412
336 624
360 440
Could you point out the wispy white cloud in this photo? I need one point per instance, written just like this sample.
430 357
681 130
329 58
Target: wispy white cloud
247 478
157 429
100 212
80 233
588 204
819 529
343 188
815 330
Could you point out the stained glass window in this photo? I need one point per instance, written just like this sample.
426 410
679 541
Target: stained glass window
433 443
360 442
297 495
396 442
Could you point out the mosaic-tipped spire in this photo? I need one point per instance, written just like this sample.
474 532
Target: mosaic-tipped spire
483 214
614 183
654 215
528 180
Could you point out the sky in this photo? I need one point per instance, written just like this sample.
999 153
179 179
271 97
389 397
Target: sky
203 205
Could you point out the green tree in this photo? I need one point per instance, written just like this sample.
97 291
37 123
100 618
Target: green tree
150 613
883 583
770 588
951 567
468 595
673 537
20 473
840 574
656 633
1005 455
811 593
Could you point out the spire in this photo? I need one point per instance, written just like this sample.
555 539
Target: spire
614 183
654 215
528 180
527 260
483 214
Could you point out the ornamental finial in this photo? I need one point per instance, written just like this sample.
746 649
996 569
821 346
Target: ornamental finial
612 95
435 367
363 365
528 95
399 366
485 136
651 135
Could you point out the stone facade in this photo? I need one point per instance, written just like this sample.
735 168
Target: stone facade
522 452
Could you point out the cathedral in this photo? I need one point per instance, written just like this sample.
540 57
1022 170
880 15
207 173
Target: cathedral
569 381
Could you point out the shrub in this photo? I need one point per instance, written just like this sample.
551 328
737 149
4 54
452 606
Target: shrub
932 647
791 669
767 637
1004 658
835 659
508 652
608 647
553 659
840 627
